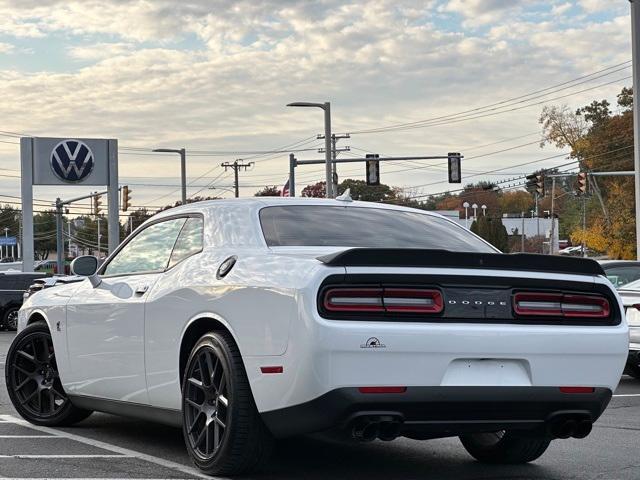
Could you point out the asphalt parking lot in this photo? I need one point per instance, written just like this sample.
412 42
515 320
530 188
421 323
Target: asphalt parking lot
105 446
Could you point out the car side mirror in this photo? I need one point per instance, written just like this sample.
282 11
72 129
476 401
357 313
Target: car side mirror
86 266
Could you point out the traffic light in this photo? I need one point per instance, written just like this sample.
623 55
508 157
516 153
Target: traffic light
126 198
532 183
97 201
540 185
582 183
455 172
373 169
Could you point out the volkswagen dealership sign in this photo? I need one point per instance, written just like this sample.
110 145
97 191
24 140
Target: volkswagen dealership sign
72 161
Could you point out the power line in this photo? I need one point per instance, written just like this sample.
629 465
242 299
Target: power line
503 103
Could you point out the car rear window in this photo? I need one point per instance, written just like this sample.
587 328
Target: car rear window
300 225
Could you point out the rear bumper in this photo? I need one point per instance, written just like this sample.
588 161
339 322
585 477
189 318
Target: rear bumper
431 412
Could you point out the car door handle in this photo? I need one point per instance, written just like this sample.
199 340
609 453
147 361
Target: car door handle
142 289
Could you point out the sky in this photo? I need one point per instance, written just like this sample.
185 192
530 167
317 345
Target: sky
214 77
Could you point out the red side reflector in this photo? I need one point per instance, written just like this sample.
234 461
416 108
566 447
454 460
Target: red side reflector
274 369
577 389
382 389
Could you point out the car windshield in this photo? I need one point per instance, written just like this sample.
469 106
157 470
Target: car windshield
635 286
622 275
300 225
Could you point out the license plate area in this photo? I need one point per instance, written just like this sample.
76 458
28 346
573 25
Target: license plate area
487 372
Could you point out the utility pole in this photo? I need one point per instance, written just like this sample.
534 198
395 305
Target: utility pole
236 166
98 221
522 235
635 37
334 155
553 218
59 242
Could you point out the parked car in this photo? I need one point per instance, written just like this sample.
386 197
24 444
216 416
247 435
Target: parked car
630 294
245 320
13 285
621 272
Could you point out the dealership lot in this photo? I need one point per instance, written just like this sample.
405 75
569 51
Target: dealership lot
105 446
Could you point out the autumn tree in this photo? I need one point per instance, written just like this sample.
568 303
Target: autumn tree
268 191
601 141
315 190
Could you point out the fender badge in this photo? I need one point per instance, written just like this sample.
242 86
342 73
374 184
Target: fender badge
373 342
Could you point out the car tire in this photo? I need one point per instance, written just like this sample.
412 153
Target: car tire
33 383
10 319
222 428
633 370
504 447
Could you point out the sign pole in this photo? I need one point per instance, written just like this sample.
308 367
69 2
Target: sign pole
26 217
113 197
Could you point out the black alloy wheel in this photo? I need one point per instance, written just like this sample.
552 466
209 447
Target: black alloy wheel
223 431
206 403
33 382
11 319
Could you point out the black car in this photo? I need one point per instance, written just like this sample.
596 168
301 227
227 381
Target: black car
13 285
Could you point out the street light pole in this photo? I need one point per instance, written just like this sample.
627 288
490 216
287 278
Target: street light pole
635 48
466 214
326 106
183 168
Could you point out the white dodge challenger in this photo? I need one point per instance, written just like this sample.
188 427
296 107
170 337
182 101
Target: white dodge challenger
247 320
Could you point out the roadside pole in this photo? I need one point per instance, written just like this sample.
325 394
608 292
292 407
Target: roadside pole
553 219
522 234
59 242
635 43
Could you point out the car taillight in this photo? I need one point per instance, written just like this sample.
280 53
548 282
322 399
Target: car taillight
392 300
353 300
560 305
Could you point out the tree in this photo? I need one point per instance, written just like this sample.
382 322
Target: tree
268 191
516 202
601 141
368 193
492 230
44 226
316 190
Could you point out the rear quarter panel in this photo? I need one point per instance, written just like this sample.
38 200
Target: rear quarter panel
257 301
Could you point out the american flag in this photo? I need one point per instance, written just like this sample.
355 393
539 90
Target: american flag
285 190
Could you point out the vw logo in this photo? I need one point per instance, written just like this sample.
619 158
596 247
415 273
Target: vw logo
72 160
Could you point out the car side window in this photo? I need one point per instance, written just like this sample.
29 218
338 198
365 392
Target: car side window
148 251
189 241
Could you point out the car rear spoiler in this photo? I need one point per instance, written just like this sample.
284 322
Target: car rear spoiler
414 257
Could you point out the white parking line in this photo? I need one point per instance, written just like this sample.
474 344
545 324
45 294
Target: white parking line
123 452
628 395
66 456
27 436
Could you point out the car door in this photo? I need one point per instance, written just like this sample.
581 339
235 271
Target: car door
105 324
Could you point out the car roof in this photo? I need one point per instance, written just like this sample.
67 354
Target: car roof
257 203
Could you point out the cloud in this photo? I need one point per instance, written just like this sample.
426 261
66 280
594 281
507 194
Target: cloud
99 51
377 61
561 8
6 47
480 12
